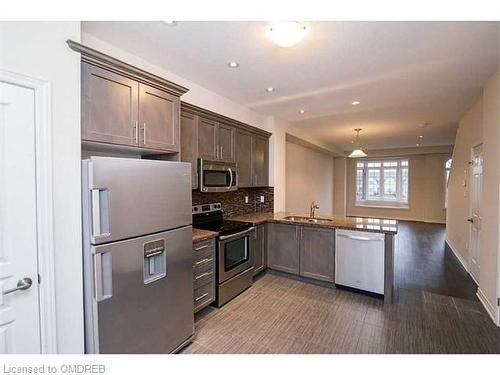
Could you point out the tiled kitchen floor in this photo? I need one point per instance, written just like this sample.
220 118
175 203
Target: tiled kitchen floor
280 315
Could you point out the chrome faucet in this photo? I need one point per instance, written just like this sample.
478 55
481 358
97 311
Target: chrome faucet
314 207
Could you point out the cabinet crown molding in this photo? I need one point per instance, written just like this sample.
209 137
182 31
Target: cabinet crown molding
102 60
195 110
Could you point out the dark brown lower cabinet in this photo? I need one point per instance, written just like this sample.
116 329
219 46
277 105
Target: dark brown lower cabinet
283 248
317 253
259 249
302 250
203 274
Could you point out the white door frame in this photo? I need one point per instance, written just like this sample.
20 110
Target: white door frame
44 202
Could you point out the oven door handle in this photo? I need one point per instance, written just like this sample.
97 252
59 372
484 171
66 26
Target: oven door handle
230 178
223 238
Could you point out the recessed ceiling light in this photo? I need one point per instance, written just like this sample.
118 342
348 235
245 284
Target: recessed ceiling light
270 89
233 64
420 136
302 111
355 102
170 23
287 33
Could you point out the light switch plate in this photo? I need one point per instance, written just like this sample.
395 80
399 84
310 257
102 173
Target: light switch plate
246 198
261 199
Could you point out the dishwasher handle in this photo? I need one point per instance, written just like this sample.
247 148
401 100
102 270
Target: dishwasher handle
359 238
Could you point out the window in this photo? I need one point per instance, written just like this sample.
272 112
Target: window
447 170
382 183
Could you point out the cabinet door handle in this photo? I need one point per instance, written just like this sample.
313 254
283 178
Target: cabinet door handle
204 274
200 297
221 152
144 134
204 260
136 132
200 248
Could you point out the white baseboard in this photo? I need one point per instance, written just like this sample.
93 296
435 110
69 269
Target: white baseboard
465 265
490 309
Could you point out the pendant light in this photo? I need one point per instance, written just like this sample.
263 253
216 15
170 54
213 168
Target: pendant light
358 151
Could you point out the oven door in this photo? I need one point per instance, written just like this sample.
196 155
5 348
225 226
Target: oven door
217 177
235 254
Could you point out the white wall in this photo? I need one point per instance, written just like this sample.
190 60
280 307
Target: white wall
469 134
340 186
277 150
425 186
38 49
489 238
309 177
481 124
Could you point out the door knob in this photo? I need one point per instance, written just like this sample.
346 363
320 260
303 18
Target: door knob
21 285
470 220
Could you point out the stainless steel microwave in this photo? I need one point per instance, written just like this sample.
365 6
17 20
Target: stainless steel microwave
217 176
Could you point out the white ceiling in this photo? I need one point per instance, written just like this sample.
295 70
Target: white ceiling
403 73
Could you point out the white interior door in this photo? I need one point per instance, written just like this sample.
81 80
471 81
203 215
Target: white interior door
475 219
19 301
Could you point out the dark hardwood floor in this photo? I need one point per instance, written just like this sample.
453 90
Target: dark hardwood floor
435 311
423 262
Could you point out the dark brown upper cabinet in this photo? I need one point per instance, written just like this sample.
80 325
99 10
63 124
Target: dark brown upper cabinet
189 144
252 156
109 107
226 135
260 161
243 153
158 119
220 138
207 139
126 106
215 140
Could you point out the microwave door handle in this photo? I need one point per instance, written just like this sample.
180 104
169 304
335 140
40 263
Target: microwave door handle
230 178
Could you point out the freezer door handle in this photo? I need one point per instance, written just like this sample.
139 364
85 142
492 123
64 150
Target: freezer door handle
103 276
100 212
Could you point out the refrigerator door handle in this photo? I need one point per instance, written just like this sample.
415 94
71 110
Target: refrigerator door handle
100 212
103 276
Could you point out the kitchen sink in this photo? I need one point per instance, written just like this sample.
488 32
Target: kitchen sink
304 219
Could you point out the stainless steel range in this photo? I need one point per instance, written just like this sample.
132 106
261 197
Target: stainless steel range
234 250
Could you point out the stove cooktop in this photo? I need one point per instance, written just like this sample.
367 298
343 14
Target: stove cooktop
210 217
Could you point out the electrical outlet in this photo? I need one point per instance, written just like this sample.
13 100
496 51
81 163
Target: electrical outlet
246 198
261 199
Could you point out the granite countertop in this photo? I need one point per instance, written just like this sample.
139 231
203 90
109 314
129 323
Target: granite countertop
202 235
343 222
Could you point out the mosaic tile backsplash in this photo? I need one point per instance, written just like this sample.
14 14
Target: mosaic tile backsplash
233 202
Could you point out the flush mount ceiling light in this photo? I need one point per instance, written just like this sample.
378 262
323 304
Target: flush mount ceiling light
233 64
420 136
270 89
302 111
358 151
355 102
286 33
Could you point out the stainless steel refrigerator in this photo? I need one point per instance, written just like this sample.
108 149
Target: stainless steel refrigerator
137 250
